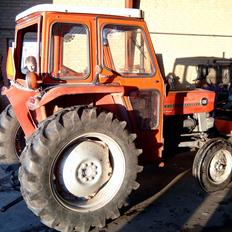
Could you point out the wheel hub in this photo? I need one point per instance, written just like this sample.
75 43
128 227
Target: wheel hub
89 171
220 166
86 168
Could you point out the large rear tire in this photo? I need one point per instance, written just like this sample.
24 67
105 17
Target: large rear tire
212 166
78 169
12 140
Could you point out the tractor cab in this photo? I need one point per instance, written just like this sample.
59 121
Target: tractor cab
98 53
67 44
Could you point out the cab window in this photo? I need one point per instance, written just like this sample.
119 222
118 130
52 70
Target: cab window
28 50
125 50
69 53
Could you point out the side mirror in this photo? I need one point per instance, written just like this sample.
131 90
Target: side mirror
10 66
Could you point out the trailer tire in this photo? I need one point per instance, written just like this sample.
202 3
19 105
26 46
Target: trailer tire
12 140
212 166
77 200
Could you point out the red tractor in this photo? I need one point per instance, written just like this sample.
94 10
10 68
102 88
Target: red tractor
87 98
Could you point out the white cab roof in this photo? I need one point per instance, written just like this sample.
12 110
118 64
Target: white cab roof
127 12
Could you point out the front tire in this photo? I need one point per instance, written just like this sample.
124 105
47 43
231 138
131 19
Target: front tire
78 169
212 166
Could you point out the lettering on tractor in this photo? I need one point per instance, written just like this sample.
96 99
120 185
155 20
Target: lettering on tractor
86 99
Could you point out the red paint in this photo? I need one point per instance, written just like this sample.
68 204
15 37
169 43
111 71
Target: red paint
188 102
224 126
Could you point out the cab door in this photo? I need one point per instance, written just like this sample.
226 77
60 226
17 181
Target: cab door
127 57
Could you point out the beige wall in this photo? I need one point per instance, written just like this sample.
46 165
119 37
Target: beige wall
185 28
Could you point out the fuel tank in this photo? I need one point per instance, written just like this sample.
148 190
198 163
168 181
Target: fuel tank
189 102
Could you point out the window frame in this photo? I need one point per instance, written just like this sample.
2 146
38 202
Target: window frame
152 74
19 36
50 50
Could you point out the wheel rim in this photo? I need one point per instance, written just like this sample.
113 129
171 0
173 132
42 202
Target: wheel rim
220 166
88 172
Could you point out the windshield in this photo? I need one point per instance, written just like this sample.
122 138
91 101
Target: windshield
125 50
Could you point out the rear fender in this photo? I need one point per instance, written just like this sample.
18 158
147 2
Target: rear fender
105 96
74 90
18 98
28 117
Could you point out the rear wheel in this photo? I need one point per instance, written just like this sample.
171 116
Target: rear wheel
78 169
212 166
12 140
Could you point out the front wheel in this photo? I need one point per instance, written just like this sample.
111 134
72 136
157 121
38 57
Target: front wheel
78 169
212 166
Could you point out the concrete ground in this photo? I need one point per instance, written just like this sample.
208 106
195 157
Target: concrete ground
169 200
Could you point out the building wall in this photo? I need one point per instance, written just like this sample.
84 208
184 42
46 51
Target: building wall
183 30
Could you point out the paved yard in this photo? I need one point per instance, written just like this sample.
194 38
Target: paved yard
168 200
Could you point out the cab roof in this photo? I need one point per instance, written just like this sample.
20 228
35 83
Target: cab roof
126 12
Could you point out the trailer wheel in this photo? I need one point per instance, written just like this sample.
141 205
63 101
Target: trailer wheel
12 141
78 169
212 166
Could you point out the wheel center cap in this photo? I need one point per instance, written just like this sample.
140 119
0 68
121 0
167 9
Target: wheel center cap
86 168
88 172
